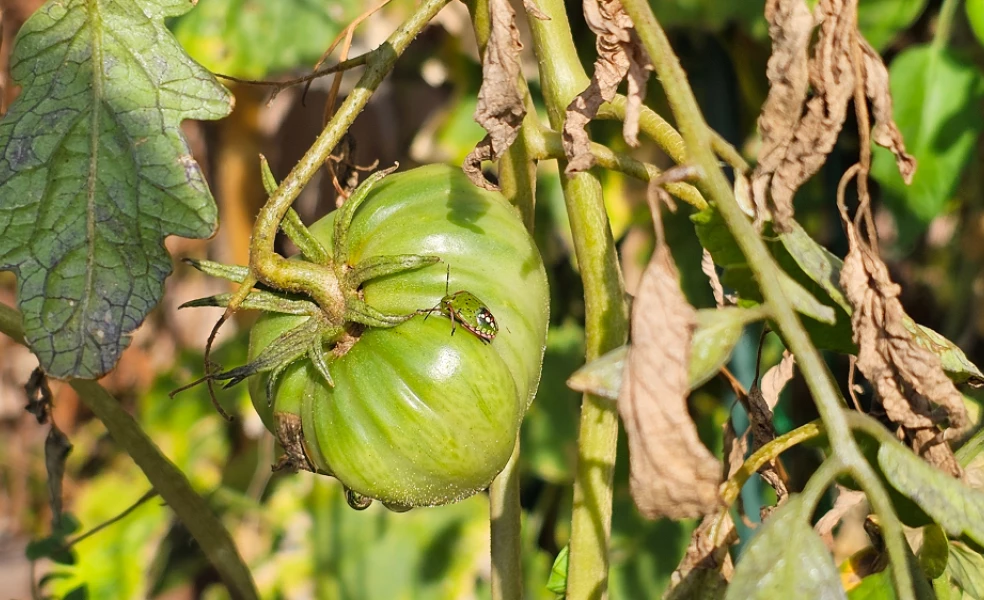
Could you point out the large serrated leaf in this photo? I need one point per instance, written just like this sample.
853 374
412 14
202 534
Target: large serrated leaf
94 173
786 559
955 507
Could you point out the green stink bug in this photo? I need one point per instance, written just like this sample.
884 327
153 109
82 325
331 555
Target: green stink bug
465 308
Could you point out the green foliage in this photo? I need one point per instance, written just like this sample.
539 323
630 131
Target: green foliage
881 21
253 39
96 173
957 508
786 558
937 96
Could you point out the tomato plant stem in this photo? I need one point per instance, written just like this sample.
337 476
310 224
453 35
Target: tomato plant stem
829 401
606 319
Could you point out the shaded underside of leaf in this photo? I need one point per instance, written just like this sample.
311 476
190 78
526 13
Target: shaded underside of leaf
786 559
95 173
671 473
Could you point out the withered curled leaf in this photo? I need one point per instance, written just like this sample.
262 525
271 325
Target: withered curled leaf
671 473
908 380
500 109
620 55
885 132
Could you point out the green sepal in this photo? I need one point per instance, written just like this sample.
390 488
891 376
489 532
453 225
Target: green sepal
347 212
380 266
233 273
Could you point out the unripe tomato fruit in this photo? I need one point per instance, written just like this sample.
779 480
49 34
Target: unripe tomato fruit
418 416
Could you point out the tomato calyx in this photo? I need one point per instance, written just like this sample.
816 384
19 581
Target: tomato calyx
318 284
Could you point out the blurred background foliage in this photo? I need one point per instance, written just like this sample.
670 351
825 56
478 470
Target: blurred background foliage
296 532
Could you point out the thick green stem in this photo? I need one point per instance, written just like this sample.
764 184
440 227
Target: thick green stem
266 265
606 319
715 185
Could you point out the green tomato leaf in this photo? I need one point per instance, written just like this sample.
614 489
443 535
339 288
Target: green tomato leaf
874 587
718 331
937 97
786 559
809 261
966 570
954 506
254 38
881 20
96 173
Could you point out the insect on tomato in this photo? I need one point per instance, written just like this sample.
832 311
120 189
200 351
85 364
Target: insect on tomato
417 417
465 308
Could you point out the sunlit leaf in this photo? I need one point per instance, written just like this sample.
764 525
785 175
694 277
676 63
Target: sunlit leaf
956 507
786 559
96 173
937 98
558 573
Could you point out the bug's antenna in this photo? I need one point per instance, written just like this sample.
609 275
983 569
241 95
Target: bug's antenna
447 282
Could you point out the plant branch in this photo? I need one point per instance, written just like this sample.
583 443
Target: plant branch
606 319
167 479
769 451
667 137
829 402
547 144
944 24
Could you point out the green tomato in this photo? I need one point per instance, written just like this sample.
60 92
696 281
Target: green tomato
417 416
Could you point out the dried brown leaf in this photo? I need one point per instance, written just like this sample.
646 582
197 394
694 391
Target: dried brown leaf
764 431
706 557
885 132
908 380
776 378
672 474
620 56
500 109
931 445
845 502
707 266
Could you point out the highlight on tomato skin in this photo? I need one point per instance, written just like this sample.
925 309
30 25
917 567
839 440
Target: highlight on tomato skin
418 416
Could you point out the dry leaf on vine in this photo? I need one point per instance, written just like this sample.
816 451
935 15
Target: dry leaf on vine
807 102
620 55
671 473
908 380
885 132
500 109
